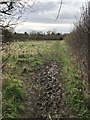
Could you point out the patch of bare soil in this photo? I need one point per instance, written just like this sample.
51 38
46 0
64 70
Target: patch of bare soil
45 96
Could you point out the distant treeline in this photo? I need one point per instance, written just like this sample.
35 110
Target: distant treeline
37 36
10 37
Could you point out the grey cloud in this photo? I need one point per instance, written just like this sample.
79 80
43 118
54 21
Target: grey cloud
46 6
46 12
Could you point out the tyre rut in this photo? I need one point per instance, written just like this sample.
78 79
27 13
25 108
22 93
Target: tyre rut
46 97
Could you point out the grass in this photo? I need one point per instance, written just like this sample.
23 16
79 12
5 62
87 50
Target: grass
12 98
72 83
22 58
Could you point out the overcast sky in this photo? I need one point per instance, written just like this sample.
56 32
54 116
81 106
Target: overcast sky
45 13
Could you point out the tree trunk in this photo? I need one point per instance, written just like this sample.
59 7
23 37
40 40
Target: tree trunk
89 55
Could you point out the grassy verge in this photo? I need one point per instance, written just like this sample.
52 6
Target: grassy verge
72 83
12 98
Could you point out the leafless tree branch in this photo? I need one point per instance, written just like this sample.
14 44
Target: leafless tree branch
12 10
59 10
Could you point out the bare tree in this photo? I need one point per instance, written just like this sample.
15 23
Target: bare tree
79 42
10 13
12 10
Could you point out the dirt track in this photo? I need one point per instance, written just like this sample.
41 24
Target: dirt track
46 97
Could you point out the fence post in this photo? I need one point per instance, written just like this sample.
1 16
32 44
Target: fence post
89 55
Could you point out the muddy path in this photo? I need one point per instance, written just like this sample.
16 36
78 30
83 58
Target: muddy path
45 95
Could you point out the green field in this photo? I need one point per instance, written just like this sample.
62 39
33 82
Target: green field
20 59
